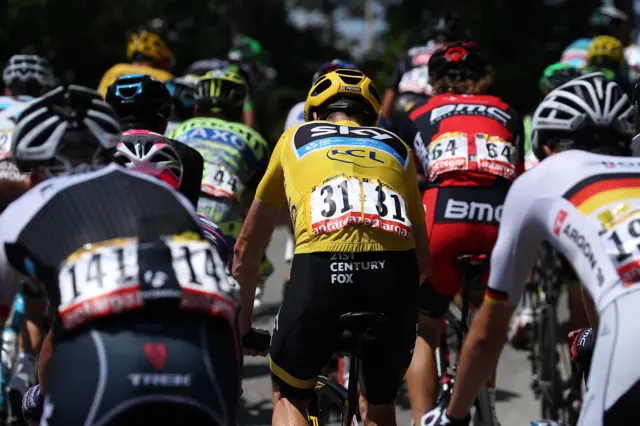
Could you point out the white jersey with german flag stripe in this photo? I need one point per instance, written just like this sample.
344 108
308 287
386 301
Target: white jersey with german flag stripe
585 205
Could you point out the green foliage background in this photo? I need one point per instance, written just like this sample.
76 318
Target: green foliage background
83 38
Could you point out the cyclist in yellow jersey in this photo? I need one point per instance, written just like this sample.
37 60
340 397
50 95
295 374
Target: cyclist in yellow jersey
361 245
148 54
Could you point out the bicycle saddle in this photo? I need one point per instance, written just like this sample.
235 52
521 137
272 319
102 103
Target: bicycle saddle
478 261
361 325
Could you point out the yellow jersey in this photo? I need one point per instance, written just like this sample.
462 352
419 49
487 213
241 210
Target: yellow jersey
118 70
349 188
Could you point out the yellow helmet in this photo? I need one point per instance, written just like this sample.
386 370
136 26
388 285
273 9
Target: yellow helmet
342 83
606 47
150 45
221 90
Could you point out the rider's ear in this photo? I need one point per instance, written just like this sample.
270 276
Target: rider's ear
547 150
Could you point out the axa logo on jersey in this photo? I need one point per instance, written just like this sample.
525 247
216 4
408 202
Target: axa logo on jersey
469 109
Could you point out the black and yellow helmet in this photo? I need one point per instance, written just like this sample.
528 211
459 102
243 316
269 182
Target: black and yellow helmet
149 45
606 47
221 90
341 86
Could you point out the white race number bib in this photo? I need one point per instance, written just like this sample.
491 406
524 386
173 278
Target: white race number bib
345 201
448 152
221 183
622 243
104 279
5 143
496 156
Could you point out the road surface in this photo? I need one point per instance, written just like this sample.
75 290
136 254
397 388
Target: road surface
515 403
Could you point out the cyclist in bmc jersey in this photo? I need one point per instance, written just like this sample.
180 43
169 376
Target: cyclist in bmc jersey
149 55
588 212
25 77
235 155
143 313
470 146
361 245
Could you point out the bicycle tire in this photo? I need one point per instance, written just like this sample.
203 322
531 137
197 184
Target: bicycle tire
551 395
483 415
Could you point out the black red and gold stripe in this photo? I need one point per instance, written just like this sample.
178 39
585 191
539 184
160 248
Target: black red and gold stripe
598 191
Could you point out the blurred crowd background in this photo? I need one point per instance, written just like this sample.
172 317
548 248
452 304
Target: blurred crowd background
83 38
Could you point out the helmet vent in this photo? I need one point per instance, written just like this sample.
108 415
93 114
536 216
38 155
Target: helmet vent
324 85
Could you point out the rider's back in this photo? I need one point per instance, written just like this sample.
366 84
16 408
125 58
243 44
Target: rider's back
468 140
326 166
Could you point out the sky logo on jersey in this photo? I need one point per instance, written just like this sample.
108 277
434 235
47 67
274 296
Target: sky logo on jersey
559 221
359 145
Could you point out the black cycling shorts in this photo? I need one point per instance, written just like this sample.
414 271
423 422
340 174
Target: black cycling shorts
137 369
324 286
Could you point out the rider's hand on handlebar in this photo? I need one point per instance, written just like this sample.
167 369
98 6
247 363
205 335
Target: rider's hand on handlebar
256 342
438 417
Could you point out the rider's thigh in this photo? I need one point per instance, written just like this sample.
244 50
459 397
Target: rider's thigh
614 380
391 291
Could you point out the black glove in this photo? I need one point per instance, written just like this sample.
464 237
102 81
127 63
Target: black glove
582 348
438 417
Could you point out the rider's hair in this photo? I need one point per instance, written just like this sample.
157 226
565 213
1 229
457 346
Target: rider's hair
459 68
453 82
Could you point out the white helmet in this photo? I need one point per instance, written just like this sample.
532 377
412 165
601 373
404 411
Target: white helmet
22 68
587 112
150 153
67 122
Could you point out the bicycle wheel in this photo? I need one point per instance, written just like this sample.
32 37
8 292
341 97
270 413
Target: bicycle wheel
483 415
550 379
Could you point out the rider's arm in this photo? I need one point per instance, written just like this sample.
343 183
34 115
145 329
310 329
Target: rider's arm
46 353
511 260
255 234
416 215
390 93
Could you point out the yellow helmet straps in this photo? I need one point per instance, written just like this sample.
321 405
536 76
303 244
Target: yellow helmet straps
342 83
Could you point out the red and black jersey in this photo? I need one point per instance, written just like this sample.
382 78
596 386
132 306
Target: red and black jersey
467 140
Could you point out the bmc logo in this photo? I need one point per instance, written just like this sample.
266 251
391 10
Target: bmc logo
473 211
469 109
320 131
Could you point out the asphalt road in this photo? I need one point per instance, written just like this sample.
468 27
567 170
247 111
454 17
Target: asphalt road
515 402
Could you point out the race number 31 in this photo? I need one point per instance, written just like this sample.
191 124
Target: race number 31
347 201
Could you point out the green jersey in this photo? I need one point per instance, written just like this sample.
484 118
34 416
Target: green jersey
233 154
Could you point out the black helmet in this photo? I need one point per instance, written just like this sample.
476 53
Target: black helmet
140 101
607 20
463 57
449 28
